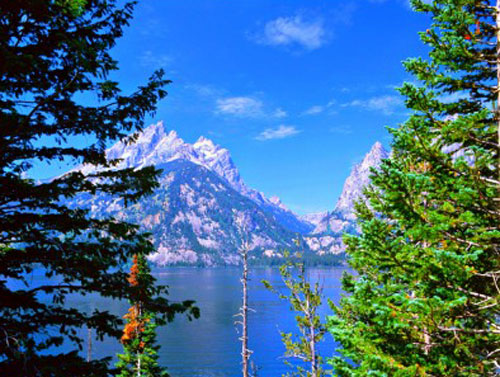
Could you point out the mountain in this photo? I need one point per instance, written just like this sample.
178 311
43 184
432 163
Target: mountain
358 179
155 146
327 234
197 218
313 218
202 211
343 213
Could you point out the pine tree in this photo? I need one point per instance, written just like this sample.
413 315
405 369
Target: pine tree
304 300
54 54
425 300
140 357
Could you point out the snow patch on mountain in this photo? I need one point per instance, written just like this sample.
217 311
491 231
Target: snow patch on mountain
358 180
154 146
327 235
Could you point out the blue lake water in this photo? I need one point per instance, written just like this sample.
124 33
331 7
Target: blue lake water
209 346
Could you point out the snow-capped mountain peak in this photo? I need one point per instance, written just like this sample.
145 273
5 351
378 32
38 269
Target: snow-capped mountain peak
359 178
154 146
277 201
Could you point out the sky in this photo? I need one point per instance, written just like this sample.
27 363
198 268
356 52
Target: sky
297 90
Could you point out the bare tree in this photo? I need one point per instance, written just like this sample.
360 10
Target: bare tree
89 344
304 300
243 313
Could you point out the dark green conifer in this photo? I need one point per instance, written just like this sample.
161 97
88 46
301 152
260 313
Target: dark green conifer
55 86
425 299
140 356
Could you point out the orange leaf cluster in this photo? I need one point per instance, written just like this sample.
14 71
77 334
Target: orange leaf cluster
134 271
133 326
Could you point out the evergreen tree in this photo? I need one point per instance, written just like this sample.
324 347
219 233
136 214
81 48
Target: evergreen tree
425 300
53 54
304 300
140 357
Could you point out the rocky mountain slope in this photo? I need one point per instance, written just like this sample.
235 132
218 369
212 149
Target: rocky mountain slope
203 211
197 218
155 146
357 180
327 235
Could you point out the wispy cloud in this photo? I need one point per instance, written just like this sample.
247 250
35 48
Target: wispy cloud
386 104
279 132
318 109
406 3
286 31
239 106
204 90
343 130
246 107
150 59
279 113
313 110
452 97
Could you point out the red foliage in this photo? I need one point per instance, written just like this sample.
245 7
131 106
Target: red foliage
134 325
134 271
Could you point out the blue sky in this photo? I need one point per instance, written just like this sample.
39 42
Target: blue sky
298 91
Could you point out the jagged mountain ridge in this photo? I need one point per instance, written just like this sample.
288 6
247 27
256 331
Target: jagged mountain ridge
155 146
313 218
198 214
343 213
327 235
358 179
197 218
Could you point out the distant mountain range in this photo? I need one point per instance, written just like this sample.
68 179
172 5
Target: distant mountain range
203 211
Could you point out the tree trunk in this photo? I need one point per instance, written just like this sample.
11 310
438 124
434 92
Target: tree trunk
497 112
244 314
138 351
89 344
312 340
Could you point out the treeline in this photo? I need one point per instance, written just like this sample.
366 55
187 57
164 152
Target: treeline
424 298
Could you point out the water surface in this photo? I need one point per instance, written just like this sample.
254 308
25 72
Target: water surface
209 346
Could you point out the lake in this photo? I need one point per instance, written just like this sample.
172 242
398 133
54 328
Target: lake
209 346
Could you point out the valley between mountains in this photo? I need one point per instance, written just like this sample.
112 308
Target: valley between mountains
203 211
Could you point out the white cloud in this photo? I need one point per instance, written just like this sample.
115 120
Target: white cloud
313 110
452 97
285 31
317 109
149 59
204 90
386 104
280 113
279 132
239 106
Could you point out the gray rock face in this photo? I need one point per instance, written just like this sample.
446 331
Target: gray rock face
313 218
155 146
358 179
327 234
203 210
